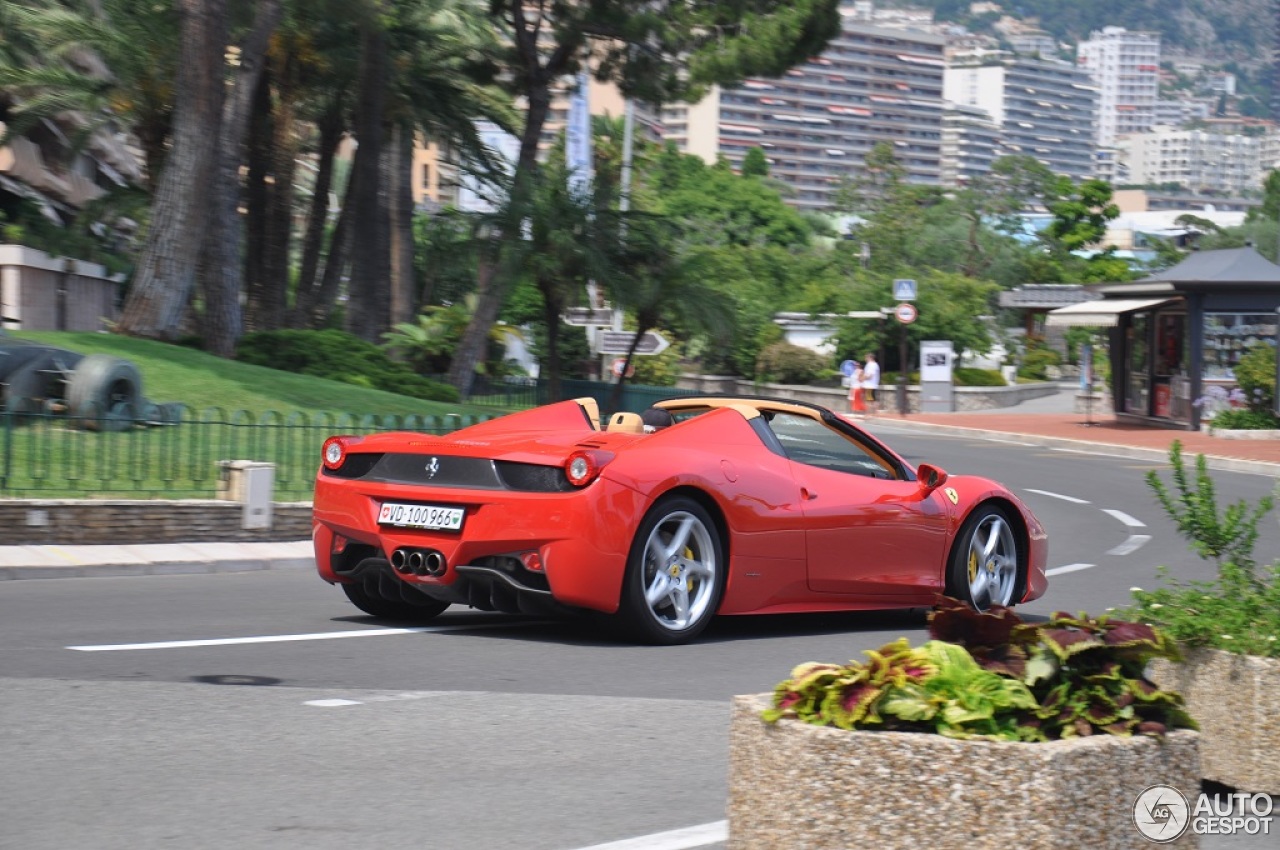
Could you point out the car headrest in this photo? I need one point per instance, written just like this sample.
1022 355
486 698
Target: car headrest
627 423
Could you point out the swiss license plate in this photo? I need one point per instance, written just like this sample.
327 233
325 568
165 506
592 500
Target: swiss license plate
420 516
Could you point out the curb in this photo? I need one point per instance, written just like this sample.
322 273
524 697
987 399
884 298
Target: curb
169 568
1224 464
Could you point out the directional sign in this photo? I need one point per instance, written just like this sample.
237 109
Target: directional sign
904 289
906 313
619 342
586 316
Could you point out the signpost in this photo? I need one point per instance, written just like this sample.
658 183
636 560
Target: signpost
588 316
904 289
619 342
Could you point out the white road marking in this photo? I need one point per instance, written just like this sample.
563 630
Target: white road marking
1125 518
261 639
1059 496
1069 568
676 839
332 703
1133 544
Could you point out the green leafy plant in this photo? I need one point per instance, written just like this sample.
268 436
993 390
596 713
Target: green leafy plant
1225 536
990 675
1256 375
1237 611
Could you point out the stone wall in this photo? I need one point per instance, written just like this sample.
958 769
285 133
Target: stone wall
837 398
93 522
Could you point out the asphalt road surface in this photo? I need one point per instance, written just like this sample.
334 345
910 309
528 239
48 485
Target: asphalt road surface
261 710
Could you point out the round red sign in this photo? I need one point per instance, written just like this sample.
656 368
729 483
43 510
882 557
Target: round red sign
906 313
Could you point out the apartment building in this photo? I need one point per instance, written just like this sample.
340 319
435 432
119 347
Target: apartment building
874 83
1203 162
1045 108
1125 66
971 142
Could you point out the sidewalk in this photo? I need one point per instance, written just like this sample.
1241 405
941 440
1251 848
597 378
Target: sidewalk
1047 421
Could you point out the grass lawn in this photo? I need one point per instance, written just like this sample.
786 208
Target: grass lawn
175 373
231 411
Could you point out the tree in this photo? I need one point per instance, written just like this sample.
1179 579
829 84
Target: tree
754 163
166 270
656 52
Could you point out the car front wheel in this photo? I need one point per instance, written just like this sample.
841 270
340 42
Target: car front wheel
984 563
675 574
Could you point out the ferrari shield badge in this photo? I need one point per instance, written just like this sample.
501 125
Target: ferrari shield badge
952 495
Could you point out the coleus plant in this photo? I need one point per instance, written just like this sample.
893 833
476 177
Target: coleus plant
992 675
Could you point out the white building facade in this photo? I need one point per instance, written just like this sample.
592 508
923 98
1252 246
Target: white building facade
1215 164
1125 66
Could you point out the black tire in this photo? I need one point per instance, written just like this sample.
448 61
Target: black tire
97 388
371 594
694 576
987 565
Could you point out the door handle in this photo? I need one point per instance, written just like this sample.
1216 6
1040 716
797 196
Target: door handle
807 494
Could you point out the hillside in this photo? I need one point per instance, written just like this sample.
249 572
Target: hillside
1243 32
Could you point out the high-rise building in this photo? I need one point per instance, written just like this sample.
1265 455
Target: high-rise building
1206 163
1126 68
971 142
1045 108
818 122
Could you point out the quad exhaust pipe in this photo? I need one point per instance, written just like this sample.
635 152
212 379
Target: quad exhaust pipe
419 562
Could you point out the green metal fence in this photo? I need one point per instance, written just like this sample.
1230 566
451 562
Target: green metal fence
176 454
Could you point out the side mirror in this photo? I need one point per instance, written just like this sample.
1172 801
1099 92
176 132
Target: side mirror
930 477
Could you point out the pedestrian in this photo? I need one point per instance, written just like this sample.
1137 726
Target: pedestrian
871 384
857 403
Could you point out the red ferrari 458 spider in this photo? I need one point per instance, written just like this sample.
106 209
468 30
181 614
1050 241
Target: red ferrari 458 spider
742 506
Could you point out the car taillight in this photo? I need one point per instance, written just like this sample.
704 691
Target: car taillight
335 450
582 467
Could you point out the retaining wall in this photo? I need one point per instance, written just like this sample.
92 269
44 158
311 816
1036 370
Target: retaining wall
99 522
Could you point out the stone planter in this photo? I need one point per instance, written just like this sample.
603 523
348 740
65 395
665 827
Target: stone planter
1236 701
798 786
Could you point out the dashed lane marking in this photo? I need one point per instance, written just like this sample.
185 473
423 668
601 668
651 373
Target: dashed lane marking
1125 518
1072 499
676 839
1069 568
1133 544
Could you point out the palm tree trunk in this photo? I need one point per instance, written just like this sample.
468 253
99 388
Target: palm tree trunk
257 201
368 304
402 284
221 267
279 219
470 351
162 287
336 264
330 126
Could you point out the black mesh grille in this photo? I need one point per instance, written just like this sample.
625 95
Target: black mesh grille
532 477
354 466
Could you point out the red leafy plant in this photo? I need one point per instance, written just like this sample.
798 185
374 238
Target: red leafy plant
992 675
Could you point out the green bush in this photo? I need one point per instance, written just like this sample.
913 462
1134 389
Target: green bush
1256 375
784 363
1036 362
967 377
1238 611
1244 419
339 356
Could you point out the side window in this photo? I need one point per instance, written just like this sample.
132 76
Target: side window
812 443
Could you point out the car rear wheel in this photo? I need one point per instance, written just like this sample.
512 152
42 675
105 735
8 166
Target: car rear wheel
407 605
675 574
985 569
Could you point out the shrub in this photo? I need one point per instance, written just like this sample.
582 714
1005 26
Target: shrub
1241 419
339 356
1238 611
990 675
965 376
785 363
1256 375
1036 362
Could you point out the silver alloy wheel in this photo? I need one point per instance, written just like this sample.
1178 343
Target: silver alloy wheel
679 570
992 562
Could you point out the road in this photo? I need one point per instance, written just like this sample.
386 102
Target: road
273 715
